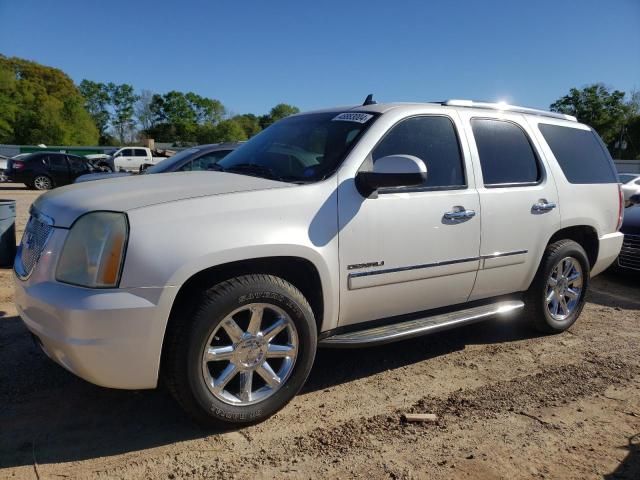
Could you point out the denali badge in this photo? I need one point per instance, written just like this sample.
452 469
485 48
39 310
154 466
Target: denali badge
365 265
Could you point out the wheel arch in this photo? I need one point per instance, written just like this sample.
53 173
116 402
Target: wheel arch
584 235
298 271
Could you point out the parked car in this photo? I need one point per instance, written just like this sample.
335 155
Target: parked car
131 159
4 161
629 258
630 185
198 158
46 170
3 167
103 161
337 228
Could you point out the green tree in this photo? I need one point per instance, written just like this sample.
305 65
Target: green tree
230 131
97 100
8 103
629 148
144 112
40 104
596 106
249 123
207 110
123 100
278 112
184 117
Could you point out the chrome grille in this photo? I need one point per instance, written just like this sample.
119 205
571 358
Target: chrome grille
34 239
630 252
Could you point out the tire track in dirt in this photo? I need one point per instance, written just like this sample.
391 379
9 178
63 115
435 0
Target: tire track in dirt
552 386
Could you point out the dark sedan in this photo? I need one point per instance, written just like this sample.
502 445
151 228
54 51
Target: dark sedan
202 157
46 170
629 259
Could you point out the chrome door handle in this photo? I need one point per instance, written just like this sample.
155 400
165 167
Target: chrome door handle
459 213
543 206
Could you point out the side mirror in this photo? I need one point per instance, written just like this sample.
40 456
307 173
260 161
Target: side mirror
392 171
634 199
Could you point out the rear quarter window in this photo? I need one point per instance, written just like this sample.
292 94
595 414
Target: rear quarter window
580 154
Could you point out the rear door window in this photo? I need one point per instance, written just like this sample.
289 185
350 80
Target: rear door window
506 155
140 152
580 154
77 163
57 161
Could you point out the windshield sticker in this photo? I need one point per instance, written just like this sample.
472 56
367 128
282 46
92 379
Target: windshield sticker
352 117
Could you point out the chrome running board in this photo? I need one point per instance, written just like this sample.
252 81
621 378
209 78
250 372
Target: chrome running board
420 326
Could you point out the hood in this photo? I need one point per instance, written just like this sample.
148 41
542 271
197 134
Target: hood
100 176
631 222
65 204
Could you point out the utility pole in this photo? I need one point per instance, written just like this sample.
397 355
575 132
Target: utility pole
620 142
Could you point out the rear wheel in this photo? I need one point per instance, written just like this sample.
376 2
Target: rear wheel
556 296
42 182
244 353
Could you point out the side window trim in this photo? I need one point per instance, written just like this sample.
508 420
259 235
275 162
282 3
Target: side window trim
536 155
465 186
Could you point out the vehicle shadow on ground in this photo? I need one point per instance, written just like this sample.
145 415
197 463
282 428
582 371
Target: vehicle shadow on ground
630 466
49 416
336 366
616 290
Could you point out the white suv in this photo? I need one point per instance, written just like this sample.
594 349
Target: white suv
340 228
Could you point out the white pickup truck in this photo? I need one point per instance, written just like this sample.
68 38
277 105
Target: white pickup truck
132 158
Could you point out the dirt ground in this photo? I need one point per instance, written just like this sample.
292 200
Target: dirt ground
510 403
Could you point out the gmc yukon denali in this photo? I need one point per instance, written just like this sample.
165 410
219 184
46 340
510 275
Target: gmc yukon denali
345 227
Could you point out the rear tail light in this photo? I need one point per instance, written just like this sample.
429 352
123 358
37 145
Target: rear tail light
620 207
17 165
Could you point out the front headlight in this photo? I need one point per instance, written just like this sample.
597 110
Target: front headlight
93 252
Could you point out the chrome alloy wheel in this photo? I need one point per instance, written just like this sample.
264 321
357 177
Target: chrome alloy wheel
564 288
250 354
42 183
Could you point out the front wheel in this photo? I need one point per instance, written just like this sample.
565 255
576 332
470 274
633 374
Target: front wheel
556 296
244 353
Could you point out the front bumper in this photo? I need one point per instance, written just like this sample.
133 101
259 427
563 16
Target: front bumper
112 338
629 258
609 248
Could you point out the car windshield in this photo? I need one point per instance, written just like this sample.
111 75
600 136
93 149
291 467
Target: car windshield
167 165
626 177
299 149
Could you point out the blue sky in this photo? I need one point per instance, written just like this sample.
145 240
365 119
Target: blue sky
252 55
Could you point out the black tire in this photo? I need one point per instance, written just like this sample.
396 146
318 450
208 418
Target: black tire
187 341
536 309
42 182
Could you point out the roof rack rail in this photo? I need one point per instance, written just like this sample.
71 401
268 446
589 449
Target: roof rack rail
507 108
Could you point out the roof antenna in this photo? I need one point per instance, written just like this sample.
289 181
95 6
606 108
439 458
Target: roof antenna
369 100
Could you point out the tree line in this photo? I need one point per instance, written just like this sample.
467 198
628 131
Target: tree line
41 104
122 116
